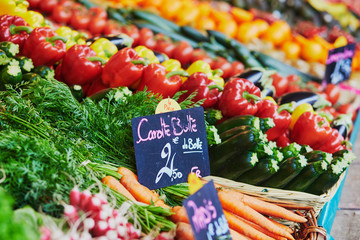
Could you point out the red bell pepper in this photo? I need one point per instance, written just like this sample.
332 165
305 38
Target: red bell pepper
96 86
14 29
44 47
284 139
334 144
206 89
282 118
123 68
81 66
239 97
157 80
311 129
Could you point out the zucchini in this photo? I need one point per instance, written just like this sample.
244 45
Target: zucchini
307 176
77 92
244 55
292 150
156 20
266 124
25 64
232 132
221 38
116 15
44 72
243 141
4 59
194 34
317 155
282 68
172 35
31 77
236 121
11 49
288 170
346 154
212 116
10 74
237 165
328 178
262 171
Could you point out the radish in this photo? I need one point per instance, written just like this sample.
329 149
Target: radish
102 197
94 205
112 223
101 215
112 235
89 223
45 233
100 229
121 230
75 196
165 236
71 213
85 197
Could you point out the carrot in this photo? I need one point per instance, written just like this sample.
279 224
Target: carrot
257 227
243 228
230 202
286 228
184 231
237 236
139 191
267 208
179 215
127 172
115 184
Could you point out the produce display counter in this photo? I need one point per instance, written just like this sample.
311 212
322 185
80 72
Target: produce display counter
327 215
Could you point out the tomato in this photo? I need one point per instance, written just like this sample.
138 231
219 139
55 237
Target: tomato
97 25
333 93
79 20
147 38
48 6
280 84
199 54
61 14
183 52
224 65
34 3
348 108
237 68
112 27
67 3
97 12
314 86
330 110
133 32
164 45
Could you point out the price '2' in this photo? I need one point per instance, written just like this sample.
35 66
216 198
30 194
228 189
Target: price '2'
170 171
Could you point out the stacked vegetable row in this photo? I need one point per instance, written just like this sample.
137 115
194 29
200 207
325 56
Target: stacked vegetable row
246 156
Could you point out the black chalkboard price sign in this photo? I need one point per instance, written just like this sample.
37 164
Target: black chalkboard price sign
206 215
338 64
169 146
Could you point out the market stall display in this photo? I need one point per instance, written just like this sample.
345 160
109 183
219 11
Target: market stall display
68 98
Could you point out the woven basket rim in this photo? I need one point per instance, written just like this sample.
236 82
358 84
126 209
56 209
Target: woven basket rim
287 197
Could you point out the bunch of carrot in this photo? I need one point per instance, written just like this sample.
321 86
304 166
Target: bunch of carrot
248 217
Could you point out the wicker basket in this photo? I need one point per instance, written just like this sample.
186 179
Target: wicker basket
289 198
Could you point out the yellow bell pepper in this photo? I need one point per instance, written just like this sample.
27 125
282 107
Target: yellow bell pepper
299 110
146 53
34 19
104 48
73 36
173 65
12 7
201 66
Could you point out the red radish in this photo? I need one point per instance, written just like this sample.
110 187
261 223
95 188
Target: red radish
100 229
121 230
165 236
89 223
102 197
101 215
112 235
45 233
75 196
85 197
94 205
112 223
71 213
85 236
